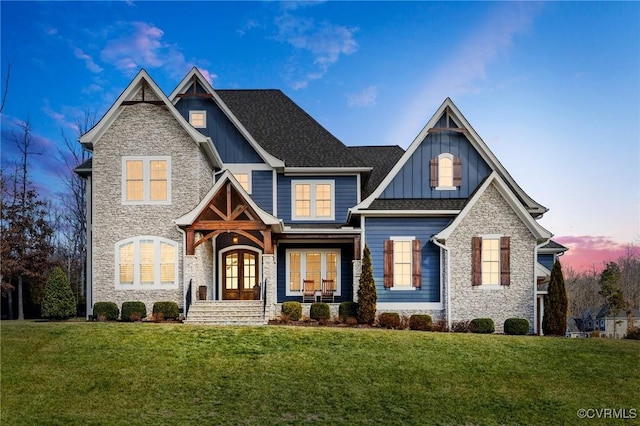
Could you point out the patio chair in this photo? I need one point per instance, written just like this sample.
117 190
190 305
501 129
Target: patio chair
308 291
328 291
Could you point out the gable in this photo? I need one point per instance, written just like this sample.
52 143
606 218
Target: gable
447 134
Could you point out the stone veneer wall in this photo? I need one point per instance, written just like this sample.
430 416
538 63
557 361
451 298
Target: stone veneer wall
149 130
269 275
492 215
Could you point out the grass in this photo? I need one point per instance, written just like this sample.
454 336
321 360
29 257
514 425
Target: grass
77 373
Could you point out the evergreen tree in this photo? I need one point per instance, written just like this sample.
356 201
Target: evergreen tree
554 321
367 297
610 289
58 301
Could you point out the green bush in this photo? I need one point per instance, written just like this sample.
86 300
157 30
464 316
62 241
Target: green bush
133 311
292 310
420 322
367 296
482 325
389 320
347 309
58 301
169 310
107 311
320 311
516 326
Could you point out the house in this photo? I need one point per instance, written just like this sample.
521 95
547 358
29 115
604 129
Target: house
575 328
603 322
231 202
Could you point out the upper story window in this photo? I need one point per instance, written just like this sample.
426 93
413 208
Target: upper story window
445 172
490 260
146 180
198 119
402 263
312 200
146 262
244 179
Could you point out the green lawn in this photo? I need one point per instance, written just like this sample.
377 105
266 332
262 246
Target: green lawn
80 373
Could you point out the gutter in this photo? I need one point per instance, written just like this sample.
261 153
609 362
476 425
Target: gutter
447 281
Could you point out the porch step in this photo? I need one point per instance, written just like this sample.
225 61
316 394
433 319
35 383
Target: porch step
226 312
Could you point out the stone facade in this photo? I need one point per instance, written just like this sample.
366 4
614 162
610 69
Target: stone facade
145 130
492 215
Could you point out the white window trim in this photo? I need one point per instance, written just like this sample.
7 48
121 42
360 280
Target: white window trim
445 188
204 113
157 284
404 287
491 287
312 194
303 270
146 179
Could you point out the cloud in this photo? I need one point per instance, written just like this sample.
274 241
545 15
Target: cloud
587 252
59 117
324 42
141 45
364 98
90 64
248 26
465 72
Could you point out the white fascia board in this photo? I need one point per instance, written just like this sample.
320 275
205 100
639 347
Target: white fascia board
332 231
316 171
190 217
405 213
268 158
534 227
542 271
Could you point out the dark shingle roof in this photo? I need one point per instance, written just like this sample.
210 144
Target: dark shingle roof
85 168
286 131
381 158
552 245
418 204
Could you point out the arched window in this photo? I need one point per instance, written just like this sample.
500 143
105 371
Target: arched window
146 262
445 172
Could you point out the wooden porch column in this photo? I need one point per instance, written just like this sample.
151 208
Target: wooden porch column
191 239
356 248
268 244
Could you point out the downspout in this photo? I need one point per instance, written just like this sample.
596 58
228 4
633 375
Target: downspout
535 286
447 280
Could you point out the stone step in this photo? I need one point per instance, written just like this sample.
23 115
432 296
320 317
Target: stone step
232 312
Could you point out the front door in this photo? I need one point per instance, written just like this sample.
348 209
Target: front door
240 275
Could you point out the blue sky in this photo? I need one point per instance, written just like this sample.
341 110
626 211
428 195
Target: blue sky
552 88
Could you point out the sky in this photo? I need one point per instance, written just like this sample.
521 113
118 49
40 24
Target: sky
553 88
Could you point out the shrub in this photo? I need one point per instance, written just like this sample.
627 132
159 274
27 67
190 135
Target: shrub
292 310
633 334
440 326
554 320
58 301
107 311
169 310
516 326
482 325
320 311
420 322
367 297
463 327
133 311
347 309
389 320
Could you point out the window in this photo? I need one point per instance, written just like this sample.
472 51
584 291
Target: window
445 172
490 260
244 179
313 265
312 200
198 119
146 263
146 180
402 263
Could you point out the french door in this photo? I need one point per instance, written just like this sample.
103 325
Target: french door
240 275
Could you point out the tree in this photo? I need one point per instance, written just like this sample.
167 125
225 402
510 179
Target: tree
367 297
58 301
610 290
26 233
554 320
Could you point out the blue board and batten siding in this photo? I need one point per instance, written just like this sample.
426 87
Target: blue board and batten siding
346 270
262 189
546 260
229 142
413 179
377 230
346 196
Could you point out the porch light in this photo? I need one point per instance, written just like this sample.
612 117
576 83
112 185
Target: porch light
235 239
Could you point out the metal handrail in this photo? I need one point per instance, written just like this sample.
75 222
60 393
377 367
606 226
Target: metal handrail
187 303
